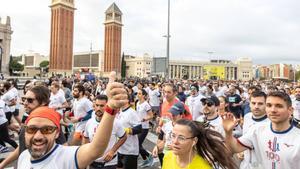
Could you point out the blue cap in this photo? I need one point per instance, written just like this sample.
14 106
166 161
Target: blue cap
177 108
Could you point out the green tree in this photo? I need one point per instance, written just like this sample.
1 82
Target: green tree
297 75
15 66
44 64
123 66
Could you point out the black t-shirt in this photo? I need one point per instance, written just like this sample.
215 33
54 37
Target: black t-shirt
235 98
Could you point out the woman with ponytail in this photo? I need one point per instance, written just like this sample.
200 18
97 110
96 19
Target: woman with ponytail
197 147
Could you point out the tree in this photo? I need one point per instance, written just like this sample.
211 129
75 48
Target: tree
44 64
297 75
15 66
123 66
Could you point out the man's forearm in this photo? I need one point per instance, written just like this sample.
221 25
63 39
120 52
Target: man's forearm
89 152
10 158
233 144
119 143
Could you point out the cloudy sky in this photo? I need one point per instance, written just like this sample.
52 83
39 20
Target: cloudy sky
268 31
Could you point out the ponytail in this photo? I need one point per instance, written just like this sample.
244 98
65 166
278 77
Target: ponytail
210 145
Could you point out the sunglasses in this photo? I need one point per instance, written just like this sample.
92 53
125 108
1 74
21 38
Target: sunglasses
29 100
43 130
193 88
209 104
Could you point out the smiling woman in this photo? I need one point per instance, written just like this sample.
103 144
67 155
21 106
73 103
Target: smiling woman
194 147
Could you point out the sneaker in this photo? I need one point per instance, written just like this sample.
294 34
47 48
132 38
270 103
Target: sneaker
4 149
148 162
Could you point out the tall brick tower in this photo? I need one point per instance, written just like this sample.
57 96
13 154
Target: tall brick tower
113 36
62 30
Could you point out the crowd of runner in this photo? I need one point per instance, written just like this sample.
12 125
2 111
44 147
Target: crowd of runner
101 124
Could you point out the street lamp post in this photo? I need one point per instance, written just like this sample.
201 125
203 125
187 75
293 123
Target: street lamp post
168 43
294 74
0 59
90 57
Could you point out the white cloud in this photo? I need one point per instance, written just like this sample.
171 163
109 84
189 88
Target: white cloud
264 30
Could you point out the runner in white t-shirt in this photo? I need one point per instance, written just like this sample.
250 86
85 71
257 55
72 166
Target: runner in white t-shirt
129 151
276 144
154 99
9 98
255 117
117 138
4 136
15 92
57 98
145 114
211 115
193 102
81 106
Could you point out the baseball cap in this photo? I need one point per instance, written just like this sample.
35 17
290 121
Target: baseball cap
213 100
177 108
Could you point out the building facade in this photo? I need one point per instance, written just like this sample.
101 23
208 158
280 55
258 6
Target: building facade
61 40
113 38
5 41
244 65
262 72
31 61
138 66
281 71
183 69
89 61
211 70
159 66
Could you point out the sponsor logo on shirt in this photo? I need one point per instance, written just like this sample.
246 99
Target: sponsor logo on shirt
272 154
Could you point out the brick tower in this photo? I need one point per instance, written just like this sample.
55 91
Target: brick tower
113 36
61 40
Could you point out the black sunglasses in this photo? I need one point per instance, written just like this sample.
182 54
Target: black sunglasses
44 130
29 100
209 104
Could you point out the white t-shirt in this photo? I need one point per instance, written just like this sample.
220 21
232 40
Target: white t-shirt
154 97
195 105
142 111
296 106
58 158
128 118
274 150
80 108
217 125
250 160
219 93
17 95
2 113
7 98
167 129
117 132
57 100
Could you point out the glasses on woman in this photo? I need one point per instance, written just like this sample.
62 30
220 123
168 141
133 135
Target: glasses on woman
43 130
29 100
180 138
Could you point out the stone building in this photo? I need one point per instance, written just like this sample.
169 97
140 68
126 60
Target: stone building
5 41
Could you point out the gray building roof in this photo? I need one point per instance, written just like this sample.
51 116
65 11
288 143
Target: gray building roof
113 9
